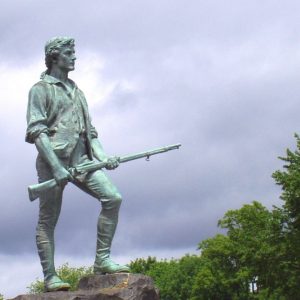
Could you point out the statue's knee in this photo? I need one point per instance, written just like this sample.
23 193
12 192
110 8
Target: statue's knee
117 199
112 201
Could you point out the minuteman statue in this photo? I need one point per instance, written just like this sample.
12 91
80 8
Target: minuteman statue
60 126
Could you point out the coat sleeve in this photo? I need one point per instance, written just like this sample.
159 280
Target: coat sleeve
36 113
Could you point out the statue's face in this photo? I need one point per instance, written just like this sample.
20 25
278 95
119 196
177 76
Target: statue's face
66 59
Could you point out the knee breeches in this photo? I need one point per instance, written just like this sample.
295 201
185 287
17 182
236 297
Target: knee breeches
97 184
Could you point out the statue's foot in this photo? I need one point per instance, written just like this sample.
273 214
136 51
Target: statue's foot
56 284
107 266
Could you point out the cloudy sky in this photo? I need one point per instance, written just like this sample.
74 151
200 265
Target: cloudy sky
220 77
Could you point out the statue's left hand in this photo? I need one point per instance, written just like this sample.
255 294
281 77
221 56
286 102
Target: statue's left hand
112 162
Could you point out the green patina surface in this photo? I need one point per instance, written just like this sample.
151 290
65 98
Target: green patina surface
59 124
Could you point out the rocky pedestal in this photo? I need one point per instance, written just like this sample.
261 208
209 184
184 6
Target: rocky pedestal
122 286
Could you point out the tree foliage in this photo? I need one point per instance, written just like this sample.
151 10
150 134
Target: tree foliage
174 277
261 248
289 180
252 261
247 256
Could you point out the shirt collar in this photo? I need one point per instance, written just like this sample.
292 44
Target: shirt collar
52 80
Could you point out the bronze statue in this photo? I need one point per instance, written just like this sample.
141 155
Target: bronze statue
59 125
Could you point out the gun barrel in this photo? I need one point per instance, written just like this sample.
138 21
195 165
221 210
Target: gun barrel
149 153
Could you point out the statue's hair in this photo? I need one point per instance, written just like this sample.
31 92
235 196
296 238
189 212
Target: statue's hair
53 48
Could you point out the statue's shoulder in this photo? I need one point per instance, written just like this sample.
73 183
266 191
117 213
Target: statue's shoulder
40 90
40 85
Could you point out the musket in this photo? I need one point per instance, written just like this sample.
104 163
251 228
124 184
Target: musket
36 189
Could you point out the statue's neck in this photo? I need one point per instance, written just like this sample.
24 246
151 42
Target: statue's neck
59 74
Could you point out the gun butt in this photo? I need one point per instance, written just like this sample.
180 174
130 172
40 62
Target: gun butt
35 190
32 194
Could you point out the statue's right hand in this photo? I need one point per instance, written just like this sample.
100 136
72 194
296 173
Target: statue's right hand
62 176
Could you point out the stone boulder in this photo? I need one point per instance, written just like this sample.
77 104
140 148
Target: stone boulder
121 286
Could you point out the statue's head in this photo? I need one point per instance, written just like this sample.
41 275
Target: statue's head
53 47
